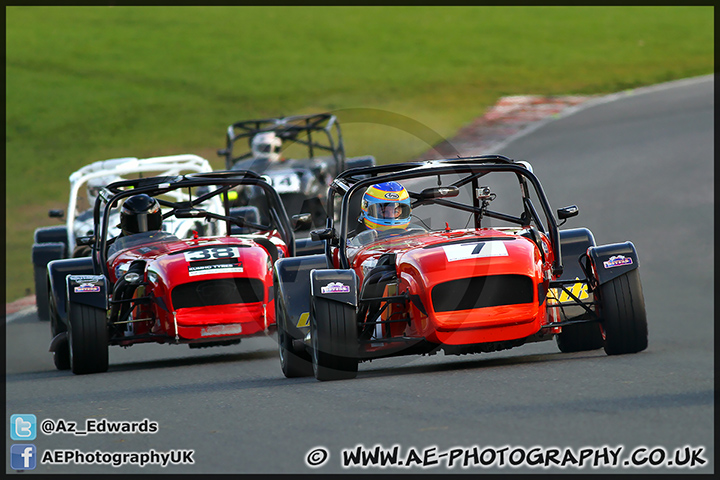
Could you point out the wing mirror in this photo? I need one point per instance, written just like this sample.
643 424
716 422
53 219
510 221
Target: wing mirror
439 192
302 221
85 241
56 213
324 234
567 212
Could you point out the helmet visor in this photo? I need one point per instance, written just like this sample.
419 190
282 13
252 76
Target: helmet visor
143 218
142 222
389 210
267 148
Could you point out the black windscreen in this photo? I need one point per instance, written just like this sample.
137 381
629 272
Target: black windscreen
218 292
479 292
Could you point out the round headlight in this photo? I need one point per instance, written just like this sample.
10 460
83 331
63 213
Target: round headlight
132 277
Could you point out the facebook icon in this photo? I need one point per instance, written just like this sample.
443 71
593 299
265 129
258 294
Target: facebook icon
22 457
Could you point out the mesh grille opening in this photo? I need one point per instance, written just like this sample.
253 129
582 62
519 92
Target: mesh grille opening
218 292
480 292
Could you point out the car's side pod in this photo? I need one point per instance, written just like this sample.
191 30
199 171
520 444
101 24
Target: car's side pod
57 271
335 285
610 261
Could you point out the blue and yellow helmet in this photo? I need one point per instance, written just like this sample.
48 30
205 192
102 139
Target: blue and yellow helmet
385 206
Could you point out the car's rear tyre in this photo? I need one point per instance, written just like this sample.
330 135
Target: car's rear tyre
622 308
580 337
293 364
333 329
56 326
41 292
87 338
61 357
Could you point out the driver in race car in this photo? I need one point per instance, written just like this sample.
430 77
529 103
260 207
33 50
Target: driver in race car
264 155
140 222
266 145
385 211
386 206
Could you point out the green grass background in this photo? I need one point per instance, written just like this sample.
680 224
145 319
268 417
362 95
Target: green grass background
90 83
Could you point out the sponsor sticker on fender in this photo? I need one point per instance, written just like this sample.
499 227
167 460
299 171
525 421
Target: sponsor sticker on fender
335 287
617 261
87 288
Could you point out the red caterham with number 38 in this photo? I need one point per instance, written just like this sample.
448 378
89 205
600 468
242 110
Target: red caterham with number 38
147 285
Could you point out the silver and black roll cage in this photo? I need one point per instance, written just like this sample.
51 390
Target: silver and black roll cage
318 132
154 186
475 167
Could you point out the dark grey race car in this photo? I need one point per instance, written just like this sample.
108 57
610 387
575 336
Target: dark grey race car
298 155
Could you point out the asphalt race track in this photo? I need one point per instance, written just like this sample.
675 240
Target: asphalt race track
639 166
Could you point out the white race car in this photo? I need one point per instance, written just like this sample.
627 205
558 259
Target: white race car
56 242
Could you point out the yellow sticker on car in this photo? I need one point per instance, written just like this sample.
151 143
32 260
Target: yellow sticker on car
579 289
304 320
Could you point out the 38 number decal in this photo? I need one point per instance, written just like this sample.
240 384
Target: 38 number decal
214 253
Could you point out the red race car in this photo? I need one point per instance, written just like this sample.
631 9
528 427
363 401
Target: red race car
463 255
147 285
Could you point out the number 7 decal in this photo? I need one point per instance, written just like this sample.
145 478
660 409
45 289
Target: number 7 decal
464 251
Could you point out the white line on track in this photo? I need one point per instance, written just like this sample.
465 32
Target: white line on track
20 313
599 101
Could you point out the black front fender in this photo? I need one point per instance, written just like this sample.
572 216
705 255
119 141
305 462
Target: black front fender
292 290
88 290
613 260
58 271
335 285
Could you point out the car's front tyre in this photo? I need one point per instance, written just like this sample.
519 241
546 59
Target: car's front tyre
622 308
87 338
333 330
